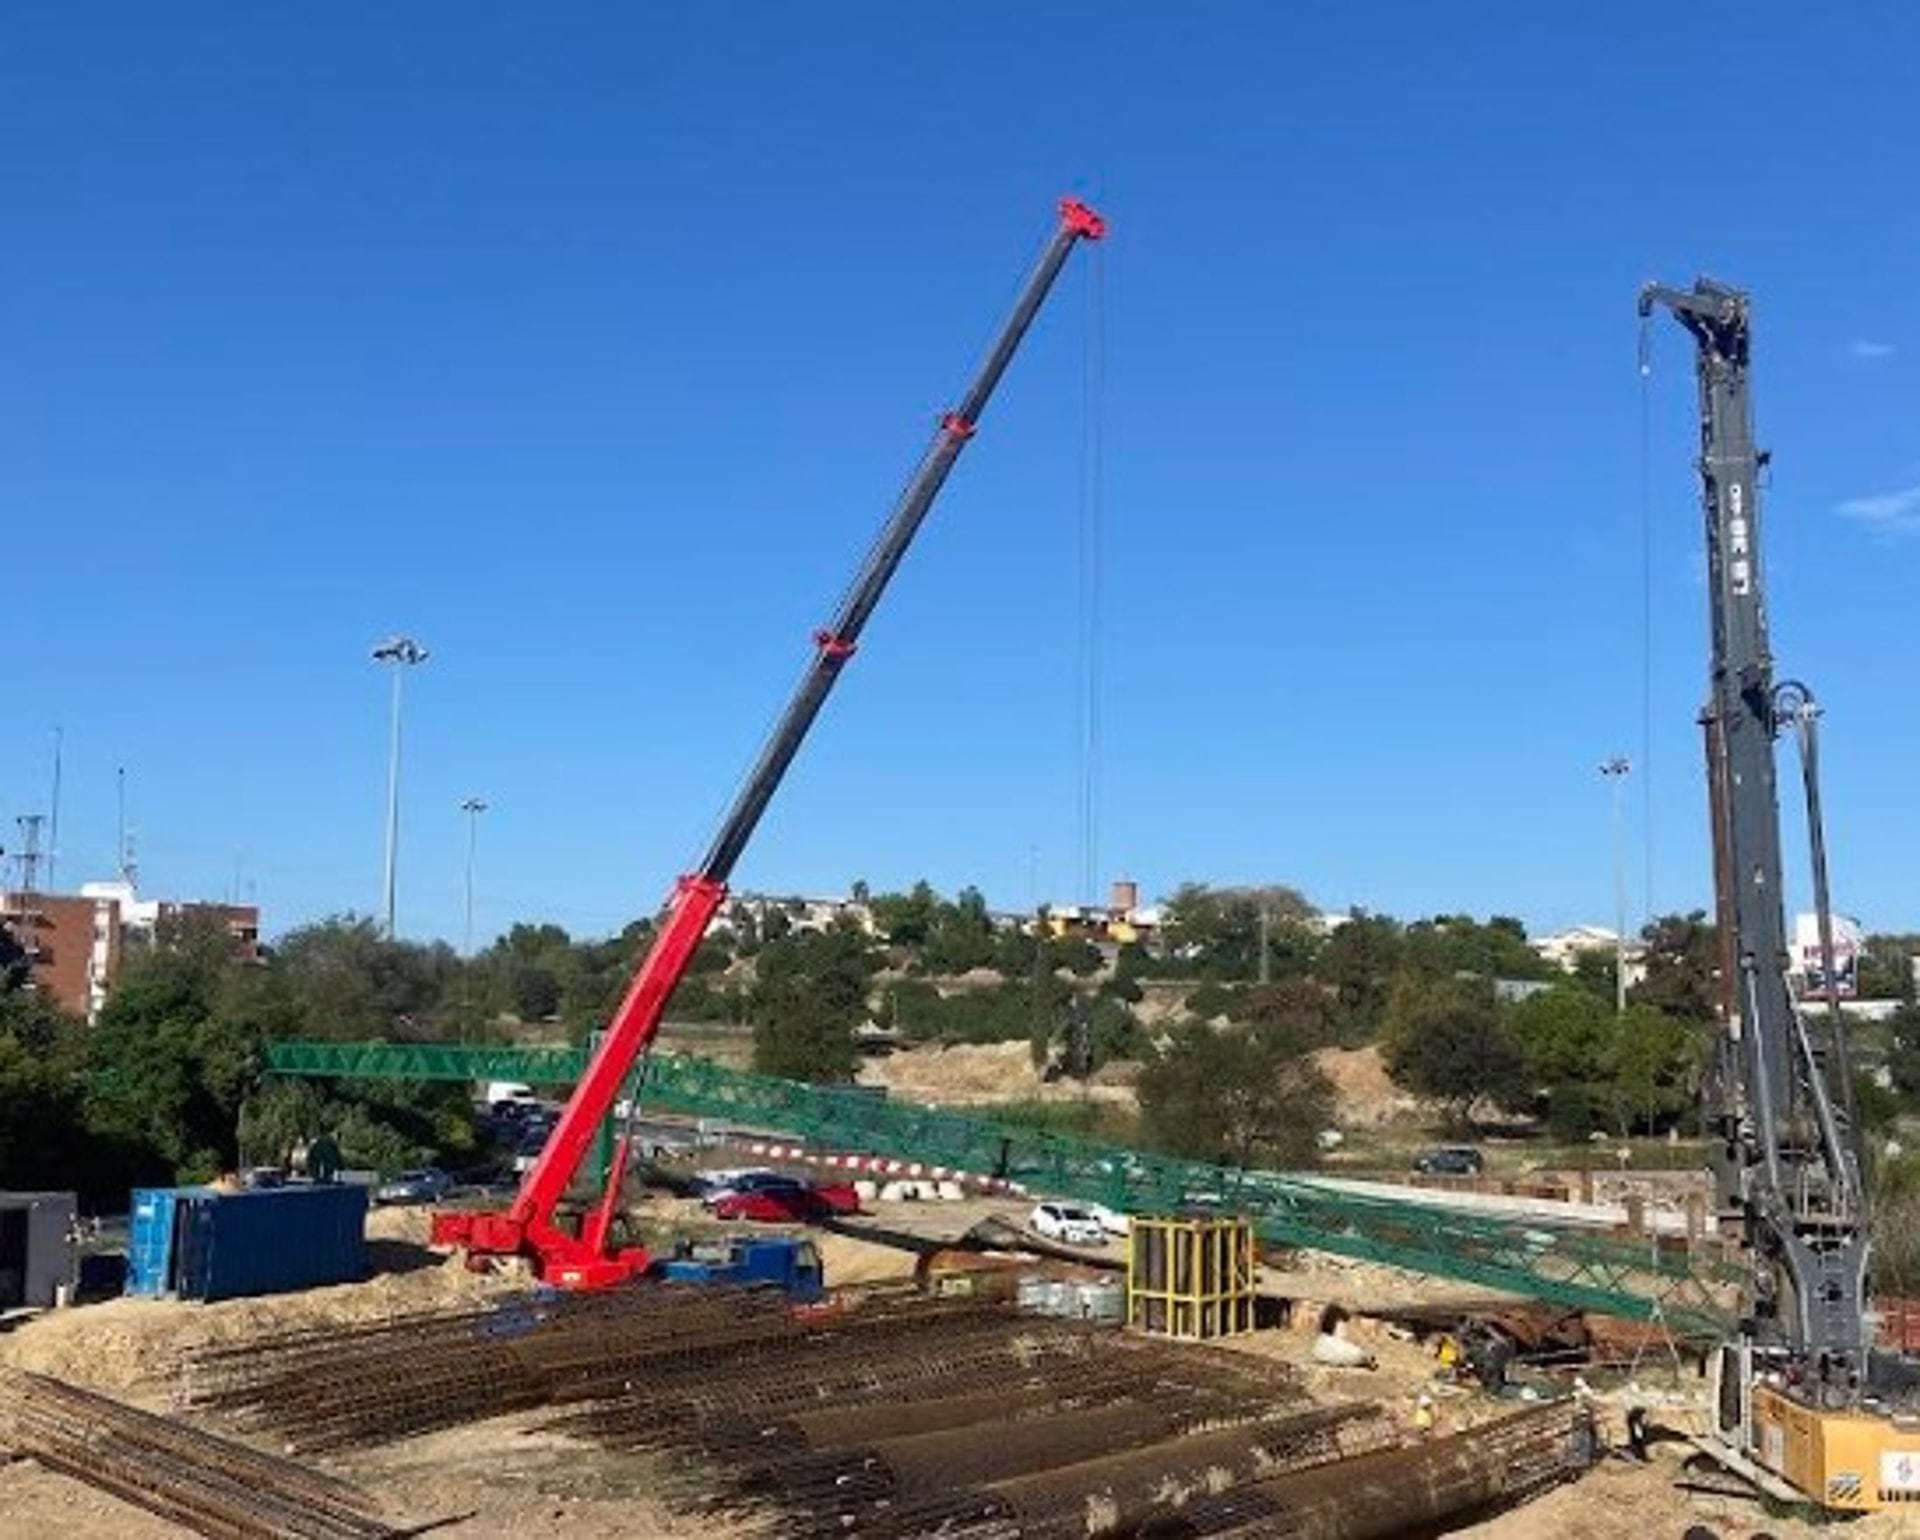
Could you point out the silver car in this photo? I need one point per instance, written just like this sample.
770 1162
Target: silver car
426 1184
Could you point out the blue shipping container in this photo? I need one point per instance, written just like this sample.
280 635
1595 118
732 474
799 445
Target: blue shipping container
198 1243
267 1241
150 1240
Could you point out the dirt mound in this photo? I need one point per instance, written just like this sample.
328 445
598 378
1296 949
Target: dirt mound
123 1344
972 1074
1364 1095
1621 1498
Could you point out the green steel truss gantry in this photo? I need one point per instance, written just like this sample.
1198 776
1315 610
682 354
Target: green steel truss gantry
1578 1267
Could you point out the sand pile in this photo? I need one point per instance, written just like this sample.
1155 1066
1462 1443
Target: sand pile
1364 1095
848 1261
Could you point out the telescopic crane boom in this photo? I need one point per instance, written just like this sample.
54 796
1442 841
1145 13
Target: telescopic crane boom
1796 1387
529 1227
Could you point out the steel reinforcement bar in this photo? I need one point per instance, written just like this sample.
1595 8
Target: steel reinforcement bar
774 1386
1395 1492
206 1483
360 1386
1112 1493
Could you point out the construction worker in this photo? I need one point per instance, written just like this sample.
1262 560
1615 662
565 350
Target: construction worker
1423 1414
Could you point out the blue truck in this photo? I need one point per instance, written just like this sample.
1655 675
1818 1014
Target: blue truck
786 1262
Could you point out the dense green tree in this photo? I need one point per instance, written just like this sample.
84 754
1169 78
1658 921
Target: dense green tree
1450 945
1903 1053
1233 1094
383 1127
39 1027
1879 1107
1633 1070
1653 1068
961 936
906 919
1358 962
1682 967
43 1138
1447 1043
350 981
1215 933
168 1066
534 990
810 994
1565 1034
1034 1009
597 975
1298 1008
1886 967
1596 970
14 965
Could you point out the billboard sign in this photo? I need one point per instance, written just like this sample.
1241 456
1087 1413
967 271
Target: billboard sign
1808 973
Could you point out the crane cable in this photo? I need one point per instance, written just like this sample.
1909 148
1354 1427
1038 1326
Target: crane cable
1646 617
1092 511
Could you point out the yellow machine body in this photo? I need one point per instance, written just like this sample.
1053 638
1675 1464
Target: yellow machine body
1850 1461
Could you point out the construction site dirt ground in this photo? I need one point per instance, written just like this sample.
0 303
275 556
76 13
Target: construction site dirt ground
502 1477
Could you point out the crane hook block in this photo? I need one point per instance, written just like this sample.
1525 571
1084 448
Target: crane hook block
1081 220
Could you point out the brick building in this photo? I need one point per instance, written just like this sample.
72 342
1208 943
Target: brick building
75 943
72 945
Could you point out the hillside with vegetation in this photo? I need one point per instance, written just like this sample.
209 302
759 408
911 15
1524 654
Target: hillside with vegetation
1220 1024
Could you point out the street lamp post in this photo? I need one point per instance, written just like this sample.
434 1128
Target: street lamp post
1616 770
399 653
473 807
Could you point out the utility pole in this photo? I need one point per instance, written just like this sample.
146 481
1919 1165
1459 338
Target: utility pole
28 856
399 653
1266 947
125 853
1616 770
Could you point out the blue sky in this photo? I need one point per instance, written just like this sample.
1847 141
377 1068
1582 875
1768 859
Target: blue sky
588 344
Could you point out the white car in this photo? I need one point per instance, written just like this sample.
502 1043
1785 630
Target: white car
1067 1222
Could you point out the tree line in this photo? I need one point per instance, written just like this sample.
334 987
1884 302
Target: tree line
1223 1010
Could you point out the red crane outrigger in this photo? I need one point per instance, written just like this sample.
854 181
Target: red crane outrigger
530 1228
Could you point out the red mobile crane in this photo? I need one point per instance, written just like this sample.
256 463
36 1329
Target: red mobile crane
530 1227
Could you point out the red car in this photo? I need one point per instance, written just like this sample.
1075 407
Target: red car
785 1200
